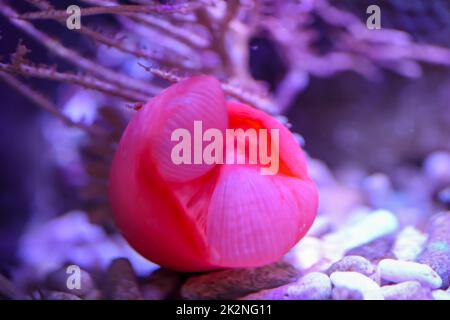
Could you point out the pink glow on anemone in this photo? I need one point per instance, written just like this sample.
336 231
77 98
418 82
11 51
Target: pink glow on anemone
207 216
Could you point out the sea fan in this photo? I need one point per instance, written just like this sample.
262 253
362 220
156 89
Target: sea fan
149 44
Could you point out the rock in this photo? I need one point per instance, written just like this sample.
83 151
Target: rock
322 266
437 249
409 290
161 284
57 280
57 295
235 283
354 281
121 282
313 286
401 271
375 250
353 263
346 294
373 226
440 295
71 237
409 244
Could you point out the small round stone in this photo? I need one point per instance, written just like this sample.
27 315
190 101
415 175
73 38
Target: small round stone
313 286
354 281
409 290
401 271
353 263
441 295
409 244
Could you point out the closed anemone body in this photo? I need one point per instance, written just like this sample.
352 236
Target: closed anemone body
197 217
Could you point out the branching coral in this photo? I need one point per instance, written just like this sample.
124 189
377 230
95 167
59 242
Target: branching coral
182 38
220 31
213 37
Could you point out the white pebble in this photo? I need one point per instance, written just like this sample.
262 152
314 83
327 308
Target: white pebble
355 281
306 253
373 226
402 291
441 295
409 244
313 286
401 271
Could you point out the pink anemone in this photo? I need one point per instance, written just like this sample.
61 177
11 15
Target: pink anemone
196 217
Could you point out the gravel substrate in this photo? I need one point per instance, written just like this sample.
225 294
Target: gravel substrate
376 243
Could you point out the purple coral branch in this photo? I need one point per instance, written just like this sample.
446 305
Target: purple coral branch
117 10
